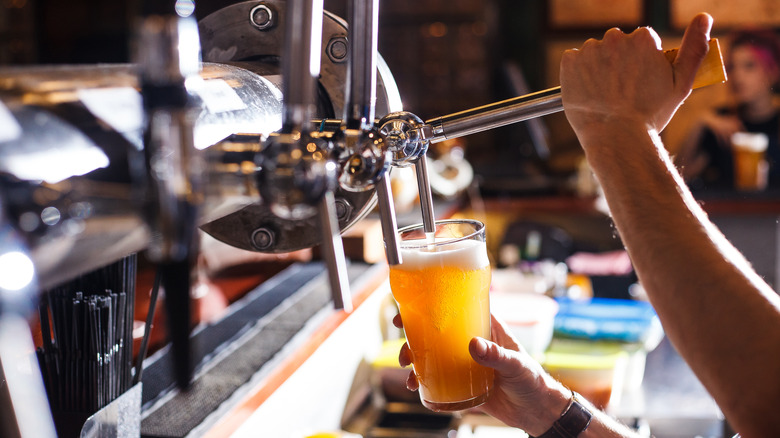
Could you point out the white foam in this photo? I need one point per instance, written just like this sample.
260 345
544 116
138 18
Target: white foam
751 141
465 254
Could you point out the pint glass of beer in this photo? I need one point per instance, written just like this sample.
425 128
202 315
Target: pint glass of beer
750 166
442 293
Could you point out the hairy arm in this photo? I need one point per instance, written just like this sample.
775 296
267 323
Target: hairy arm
722 317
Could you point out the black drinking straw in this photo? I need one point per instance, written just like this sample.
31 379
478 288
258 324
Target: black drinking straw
86 356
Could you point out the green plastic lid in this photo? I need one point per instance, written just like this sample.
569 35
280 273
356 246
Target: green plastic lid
583 355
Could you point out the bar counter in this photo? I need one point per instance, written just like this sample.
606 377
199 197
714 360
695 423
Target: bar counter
283 363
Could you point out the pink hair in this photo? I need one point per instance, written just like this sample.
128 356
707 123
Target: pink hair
766 58
765 44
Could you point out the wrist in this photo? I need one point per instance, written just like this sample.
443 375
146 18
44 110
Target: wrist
604 134
574 420
608 145
549 407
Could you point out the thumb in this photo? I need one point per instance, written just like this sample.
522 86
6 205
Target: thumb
693 49
492 355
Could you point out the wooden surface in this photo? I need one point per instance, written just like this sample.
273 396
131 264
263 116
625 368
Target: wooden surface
727 13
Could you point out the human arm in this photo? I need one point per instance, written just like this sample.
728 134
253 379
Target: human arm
524 395
618 94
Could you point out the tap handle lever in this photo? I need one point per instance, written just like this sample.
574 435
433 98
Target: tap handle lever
548 101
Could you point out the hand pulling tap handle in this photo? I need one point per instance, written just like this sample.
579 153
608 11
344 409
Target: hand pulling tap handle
548 101
533 105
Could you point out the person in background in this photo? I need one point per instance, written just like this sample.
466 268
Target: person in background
753 67
618 94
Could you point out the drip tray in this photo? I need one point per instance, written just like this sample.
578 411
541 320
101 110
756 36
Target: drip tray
402 420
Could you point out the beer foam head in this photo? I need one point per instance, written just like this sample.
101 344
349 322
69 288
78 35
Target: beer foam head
464 254
752 141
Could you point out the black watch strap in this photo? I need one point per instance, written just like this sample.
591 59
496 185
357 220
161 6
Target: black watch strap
573 421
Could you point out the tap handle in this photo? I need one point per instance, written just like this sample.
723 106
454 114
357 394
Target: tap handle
333 250
548 101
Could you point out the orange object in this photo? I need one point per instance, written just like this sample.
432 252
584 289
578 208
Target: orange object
750 164
442 308
711 71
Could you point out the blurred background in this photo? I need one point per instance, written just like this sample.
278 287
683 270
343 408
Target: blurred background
446 56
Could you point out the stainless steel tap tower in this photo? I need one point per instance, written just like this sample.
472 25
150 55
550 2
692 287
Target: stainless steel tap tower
257 124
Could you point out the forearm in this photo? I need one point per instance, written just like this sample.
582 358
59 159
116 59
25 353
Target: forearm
720 315
602 425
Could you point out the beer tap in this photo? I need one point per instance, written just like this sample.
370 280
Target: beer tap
408 138
517 109
366 156
296 173
168 59
546 102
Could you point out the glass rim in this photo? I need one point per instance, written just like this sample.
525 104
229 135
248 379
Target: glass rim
479 227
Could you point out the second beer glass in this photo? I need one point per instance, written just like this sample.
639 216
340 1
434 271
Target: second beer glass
442 293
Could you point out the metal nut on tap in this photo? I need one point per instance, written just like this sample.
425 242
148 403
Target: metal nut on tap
365 160
337 49
295 172
406 136
263 17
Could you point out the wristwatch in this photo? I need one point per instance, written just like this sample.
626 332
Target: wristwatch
573 421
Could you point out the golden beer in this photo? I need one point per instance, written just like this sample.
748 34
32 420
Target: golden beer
442 294
750 166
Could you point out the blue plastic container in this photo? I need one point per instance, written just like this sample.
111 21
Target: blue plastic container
609 319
